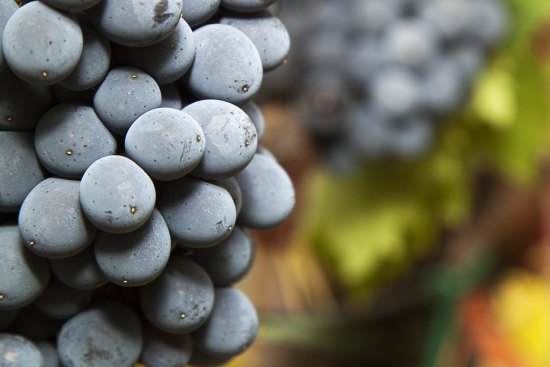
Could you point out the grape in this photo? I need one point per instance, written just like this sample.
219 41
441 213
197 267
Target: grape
124 95
107 335
361 64
15 98
19 169
246 5
136 23
268 193
49 353
412 137
255 114
70 137
227 65
116 195
71 4
23 275
79 271
197 12
94 62
180 300
410 43
166 143
450 17
134 258
232 326
61 302
372 16
443 88
171 97
231 185
266 31
229 261
368 132
7 317
17 351
396 91
166 61
34 324
231 138
49 58
165 350
51 222
487 20
198 214
469 58
7 8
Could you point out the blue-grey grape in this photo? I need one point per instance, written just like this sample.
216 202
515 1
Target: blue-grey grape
116 195
79 271
125 94
61 302
162 349
180 300
17 351
266 31
227 65
197 12
224 334
135 258
231 138
198 214
255 113
232 187
7 8
51 221
49 353
19 169
268 193
16 96
227 262
94 61
70 137
202 359
108 334
166 61
23 275
166 143
136 23
46 59
396 91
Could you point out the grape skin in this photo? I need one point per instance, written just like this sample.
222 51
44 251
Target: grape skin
17 351
135 258
227 65
49 58
108 334
198 214
51 221
79 271
180 300
70 137
23 275
116 195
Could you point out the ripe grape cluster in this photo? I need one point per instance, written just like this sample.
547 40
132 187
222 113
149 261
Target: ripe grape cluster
377 77
130 171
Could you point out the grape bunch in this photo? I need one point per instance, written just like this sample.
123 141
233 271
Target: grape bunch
131 170
376 78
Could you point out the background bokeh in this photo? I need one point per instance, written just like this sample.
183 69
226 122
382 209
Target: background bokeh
437 259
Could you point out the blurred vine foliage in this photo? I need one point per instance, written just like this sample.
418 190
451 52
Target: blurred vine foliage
374 223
